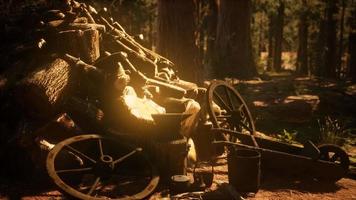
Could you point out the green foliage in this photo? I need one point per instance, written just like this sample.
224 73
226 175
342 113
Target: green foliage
332 131
287 137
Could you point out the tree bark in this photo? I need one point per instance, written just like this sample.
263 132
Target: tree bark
330 47
233 40
271 34
302 59
176 39
352 47
319 56
43 92
277 59
341 39
211 23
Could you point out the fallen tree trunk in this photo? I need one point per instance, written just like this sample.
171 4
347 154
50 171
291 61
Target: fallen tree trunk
43 92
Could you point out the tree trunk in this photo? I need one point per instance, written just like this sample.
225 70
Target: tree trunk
352 47
211 23
176 39
233 41
330 47
271 33
319 56
277 60
43 93
341 39
302 59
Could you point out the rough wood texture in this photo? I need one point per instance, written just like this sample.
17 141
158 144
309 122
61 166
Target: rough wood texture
43 92
90 45
83 44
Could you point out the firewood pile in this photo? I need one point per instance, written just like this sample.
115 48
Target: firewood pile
73 69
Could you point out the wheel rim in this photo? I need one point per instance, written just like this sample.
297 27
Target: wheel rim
95 167
333 153
235 114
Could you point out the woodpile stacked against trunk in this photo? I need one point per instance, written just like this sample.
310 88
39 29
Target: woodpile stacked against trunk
75 61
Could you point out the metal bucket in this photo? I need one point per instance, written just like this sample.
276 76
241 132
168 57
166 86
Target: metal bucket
244 169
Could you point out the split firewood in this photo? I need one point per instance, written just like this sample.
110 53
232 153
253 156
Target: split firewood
119 31
90 80
83 44
53 15
90 45
165 89
89 16
69 42
82 26
82 20
119 36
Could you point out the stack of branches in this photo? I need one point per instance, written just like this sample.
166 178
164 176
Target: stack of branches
74 59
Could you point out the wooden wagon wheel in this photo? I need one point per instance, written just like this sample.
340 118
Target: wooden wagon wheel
333 153
233 114
96 167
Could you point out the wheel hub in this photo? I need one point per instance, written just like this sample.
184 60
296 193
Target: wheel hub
104 166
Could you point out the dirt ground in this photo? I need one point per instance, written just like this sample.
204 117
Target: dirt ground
281 187
273 187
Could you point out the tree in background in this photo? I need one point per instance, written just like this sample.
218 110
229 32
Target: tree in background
136 16
302 57
209 27
223 35
176 36
341 39
330 46
352 44
271 38
278 37
233 40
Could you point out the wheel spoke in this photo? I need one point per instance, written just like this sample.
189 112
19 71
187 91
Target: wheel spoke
126 156
80 153
93 187
228 95
240 107
223 116
222 102
74 170
245 126
100 147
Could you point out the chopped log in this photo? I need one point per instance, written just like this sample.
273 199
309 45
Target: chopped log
69 42
43 92
90 45
90 79
83 44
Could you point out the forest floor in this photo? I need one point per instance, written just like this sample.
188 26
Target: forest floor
286 106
